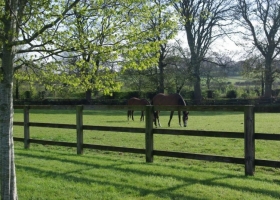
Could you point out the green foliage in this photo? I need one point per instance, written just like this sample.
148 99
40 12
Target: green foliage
1 74
276 92
210 93
123 95
253 68
231 94
85 49
188 94
27 94
247 93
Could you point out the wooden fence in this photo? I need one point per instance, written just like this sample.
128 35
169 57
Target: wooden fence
249 135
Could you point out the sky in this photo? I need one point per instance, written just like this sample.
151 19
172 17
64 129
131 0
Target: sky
223 45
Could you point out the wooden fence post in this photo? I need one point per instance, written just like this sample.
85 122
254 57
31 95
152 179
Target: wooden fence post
79 125
149 134
249 140
26 127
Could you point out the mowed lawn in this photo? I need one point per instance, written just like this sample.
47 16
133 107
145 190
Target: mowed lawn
50 172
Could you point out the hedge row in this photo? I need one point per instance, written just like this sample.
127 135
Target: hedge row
124 101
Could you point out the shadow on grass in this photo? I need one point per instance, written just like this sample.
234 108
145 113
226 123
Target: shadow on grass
206 177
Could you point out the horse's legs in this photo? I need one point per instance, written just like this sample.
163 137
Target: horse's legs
128 114
155 118
179 115
171 115
142 116
132 115
158 119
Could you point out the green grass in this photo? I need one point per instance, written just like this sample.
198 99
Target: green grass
234 79
48 172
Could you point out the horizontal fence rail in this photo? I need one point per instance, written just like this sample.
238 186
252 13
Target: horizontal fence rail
249 134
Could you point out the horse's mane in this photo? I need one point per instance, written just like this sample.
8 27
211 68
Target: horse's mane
181 101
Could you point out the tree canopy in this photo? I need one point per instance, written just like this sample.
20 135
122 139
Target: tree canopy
71 42
259 21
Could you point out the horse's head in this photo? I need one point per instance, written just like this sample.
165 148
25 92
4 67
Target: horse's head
185 118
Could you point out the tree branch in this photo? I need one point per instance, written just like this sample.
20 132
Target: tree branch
43 29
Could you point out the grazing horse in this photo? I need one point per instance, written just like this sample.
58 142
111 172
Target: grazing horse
170 100
139 102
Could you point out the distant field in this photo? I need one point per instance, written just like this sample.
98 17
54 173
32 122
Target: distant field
46 172
234 79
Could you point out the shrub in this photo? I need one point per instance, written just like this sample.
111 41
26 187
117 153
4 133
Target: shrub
27 94
210 94
231 94
189 95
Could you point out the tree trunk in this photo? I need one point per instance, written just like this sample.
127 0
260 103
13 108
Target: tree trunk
8 172
161 81
267 89
161 75
208 80
8 175
196 82
88 95
17 90
262 92
197 90
268 80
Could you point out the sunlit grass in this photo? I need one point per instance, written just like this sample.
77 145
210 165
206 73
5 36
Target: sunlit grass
48 172
45 172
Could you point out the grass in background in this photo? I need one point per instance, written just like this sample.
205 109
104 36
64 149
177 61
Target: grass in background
48 172
234 79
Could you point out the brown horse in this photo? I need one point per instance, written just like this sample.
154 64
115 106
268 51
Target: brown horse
170 100
139 102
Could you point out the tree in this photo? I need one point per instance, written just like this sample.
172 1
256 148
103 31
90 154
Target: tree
254 68
163 23
203 22
215 68
96 37
260 23
18 29
99 41
177 68
135 79
40 32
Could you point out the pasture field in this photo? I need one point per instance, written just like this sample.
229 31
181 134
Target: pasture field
51 172
234 79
